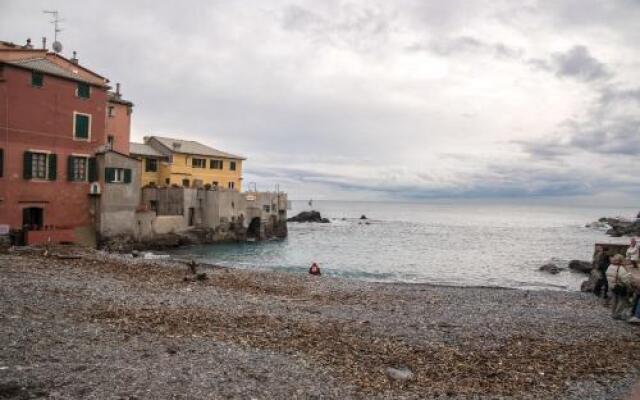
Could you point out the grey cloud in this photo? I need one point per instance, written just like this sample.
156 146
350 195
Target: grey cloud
467 44
578 63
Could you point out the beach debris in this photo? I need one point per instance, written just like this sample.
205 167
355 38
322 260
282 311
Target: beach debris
551 268
399 374
580 266
309 216
151 256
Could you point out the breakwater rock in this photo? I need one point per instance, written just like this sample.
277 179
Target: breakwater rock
309 216
621 227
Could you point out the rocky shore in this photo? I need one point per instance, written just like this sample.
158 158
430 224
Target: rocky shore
84 324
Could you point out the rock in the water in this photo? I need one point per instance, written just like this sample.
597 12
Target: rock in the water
590 284
399 374
309 216
580 266
551 268
622 226
363 216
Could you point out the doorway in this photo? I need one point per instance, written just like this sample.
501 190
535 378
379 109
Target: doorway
253 231
33 218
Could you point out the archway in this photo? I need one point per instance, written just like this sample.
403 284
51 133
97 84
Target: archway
253 231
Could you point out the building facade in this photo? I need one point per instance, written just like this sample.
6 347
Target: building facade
174 162
53 120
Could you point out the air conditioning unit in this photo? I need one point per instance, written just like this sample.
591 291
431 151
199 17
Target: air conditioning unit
94 189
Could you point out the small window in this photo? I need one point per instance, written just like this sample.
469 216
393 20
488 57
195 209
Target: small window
198 163
81 126
37 79
150 165
185 183
111 111
39 165
117 175
232 185
215 164
110 141
232 165
83 90
78 167
167 181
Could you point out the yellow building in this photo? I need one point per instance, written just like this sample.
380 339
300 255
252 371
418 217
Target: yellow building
169 162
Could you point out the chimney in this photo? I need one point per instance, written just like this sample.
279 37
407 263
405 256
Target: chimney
177 146
74 59
118 90
44 43
28 45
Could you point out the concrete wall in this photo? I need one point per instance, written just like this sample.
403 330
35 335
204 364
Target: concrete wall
118 202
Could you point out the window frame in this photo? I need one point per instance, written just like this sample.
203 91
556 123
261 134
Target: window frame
201 161
215 164
231 185
86 167
232 166
111 111
35 154
75 120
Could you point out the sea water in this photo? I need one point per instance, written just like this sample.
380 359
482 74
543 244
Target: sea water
477 244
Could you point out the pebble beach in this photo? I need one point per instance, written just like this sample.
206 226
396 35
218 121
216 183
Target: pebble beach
86 324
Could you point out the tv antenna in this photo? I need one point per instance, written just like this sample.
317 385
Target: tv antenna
57 46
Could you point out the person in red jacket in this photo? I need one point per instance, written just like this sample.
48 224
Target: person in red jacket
314 269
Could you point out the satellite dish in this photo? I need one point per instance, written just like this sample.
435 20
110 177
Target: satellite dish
57 46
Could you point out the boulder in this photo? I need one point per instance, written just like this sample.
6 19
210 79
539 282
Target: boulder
309 216
551 268
399 374
580 266
621 226
363 216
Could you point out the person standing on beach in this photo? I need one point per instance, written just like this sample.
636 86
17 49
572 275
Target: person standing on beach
600 264
633 252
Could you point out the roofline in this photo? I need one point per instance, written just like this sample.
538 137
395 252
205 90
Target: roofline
117 152
24 67
76 64
123 102
194 154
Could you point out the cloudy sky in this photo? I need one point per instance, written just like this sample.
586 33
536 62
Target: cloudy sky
376 100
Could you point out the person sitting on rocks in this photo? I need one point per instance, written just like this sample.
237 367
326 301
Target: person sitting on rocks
633 252
600 264
314 270
619 279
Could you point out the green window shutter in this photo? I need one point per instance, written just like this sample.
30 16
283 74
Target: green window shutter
53 164
84 90
82 126
26 165
109 175
1 162
127 175
37 79
70 168
93 170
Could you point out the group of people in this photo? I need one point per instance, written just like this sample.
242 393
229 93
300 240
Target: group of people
615 276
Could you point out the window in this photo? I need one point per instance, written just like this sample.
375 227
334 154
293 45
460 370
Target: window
39 165
198 163
110 141
117 175
232 185
78 169
83 90
215 164
167 181
81 126
185 183
215 183
37 79
111 111
232 165
150 165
